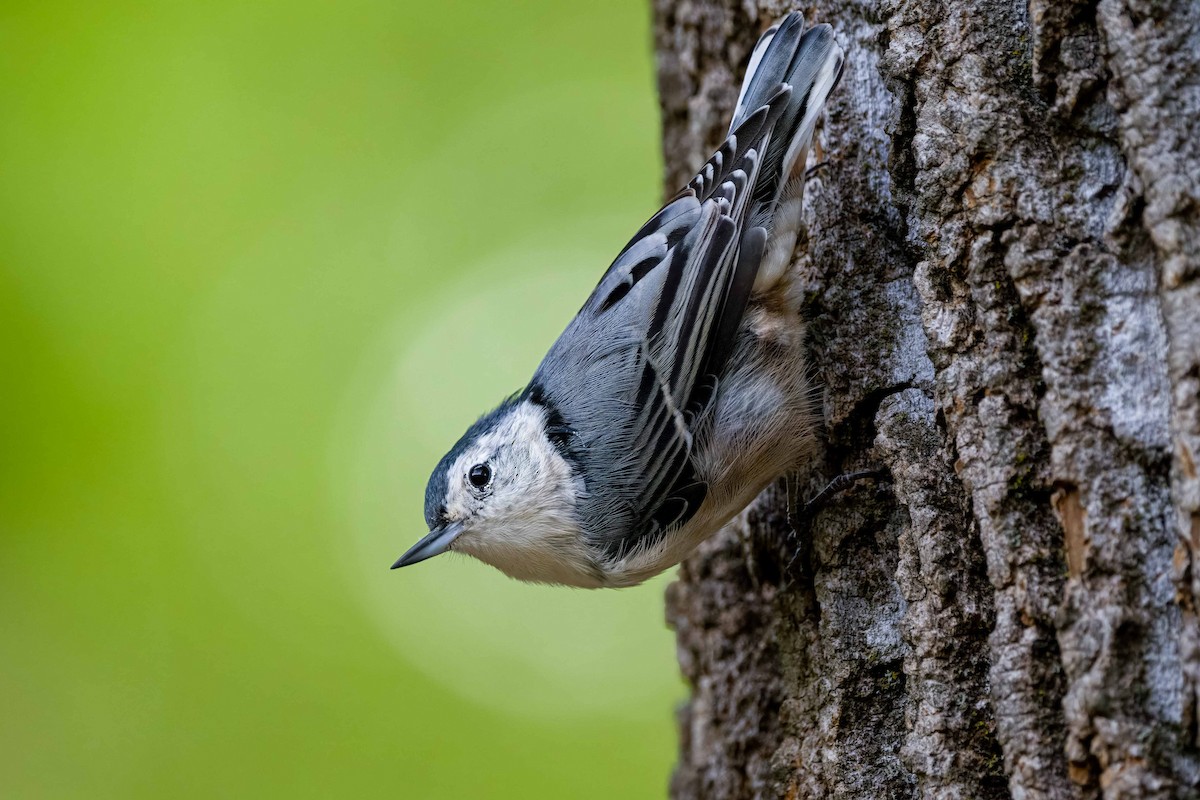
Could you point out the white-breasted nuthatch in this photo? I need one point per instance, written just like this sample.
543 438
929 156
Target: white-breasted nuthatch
681 389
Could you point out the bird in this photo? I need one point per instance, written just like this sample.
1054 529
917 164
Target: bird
682 388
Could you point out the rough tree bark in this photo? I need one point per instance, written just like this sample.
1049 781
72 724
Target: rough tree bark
1002 254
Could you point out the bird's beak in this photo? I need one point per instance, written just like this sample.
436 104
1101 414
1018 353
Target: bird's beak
435 543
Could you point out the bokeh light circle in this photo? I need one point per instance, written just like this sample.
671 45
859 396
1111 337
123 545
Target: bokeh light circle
521 649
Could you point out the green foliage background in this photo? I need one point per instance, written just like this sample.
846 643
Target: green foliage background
260 264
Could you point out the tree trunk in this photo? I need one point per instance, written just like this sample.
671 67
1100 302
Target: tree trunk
1003 237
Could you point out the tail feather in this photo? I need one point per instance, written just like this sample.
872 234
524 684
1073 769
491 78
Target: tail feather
755 77
810 62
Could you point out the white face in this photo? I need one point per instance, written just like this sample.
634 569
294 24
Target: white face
515 496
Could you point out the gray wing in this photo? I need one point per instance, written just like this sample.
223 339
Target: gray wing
631 378
628 384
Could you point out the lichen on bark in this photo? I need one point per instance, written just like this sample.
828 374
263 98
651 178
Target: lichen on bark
1002 260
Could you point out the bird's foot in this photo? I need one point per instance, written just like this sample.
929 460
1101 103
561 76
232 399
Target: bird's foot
746 540
815 168
800 517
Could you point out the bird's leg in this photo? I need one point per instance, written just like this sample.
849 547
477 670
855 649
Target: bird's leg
800 547
792 480
746 537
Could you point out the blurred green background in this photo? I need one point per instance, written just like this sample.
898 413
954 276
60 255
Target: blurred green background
260 264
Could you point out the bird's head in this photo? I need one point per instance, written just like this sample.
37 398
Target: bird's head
507 495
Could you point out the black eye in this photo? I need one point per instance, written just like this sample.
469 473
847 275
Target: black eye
480 475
